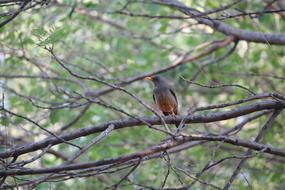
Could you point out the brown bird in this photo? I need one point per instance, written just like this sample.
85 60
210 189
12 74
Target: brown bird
164 97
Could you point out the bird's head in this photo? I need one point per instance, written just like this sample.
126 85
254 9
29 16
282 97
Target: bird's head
157 80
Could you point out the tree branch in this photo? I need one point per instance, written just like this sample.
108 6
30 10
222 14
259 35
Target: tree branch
249 151
239 34
211 117
147 152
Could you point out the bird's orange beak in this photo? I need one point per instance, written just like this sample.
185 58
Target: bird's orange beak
149 78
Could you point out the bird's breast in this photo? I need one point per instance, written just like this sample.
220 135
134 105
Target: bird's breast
165 101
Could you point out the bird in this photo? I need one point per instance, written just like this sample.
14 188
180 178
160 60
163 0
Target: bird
164 97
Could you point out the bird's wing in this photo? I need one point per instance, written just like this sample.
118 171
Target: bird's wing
172 92
176 106
153 98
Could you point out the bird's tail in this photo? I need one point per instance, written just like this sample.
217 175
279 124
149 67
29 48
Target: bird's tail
173 116
180 123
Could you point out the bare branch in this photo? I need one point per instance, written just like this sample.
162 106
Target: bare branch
240 34
248 153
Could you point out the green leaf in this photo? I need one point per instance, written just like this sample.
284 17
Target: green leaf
56 36
39 32
27 40
91 5
163 26
153 8
55 116
4 120
28 107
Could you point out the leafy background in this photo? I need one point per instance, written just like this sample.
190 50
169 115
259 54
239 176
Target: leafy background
94 40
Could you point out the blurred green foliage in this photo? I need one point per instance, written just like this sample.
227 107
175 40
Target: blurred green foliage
94 40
